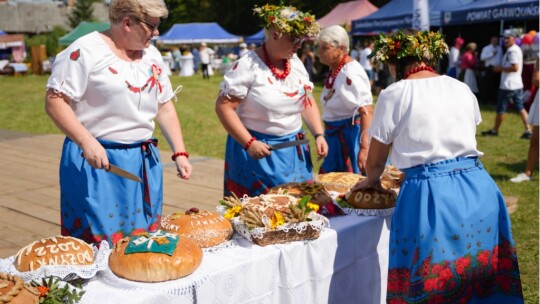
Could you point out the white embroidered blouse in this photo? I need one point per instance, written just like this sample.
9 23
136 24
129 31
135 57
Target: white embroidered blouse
114 99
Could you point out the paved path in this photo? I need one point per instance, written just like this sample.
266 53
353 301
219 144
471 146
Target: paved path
30 194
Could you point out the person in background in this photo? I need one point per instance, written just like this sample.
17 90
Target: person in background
196 59
252 46
308 59
262 101
491 56
468 64
450 235
453 58
107 122
243 49
176 58
533 153
511 87
346 104
365 60
205 54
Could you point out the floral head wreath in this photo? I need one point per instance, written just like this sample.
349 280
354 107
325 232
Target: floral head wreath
424 46
288 20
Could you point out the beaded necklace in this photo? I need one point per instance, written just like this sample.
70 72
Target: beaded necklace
418 69
331 78
286 64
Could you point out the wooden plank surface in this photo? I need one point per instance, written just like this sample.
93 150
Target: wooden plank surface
30 192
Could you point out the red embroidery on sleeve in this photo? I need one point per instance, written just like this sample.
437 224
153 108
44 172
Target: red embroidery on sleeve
75 55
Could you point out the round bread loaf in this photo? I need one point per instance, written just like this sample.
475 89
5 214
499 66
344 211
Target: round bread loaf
13 290
339 181
316 190
392 177
59 250
371 199
207 229
155 257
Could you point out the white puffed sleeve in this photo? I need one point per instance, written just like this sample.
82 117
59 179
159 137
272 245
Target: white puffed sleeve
356 89
71 69
387 114
239 78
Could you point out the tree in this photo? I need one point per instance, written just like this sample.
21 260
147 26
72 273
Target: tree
82 11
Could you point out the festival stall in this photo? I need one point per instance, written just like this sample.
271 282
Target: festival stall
82 29
256 38
195 33
345 12
482 11
12 46
398 14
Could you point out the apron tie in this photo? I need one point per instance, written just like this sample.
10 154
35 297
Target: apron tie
147 152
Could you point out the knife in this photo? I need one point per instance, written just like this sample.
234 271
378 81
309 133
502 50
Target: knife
293 143
123 173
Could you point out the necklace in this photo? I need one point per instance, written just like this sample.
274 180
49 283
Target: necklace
272 68
331 78
418 69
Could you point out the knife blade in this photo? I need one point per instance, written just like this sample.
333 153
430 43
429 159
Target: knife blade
293 143
123 173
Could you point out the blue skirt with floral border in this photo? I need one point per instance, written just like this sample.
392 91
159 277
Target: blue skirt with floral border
97 205
451 240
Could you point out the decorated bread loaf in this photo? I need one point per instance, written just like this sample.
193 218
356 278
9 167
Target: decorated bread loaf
316 190
392 177
59 250
339 181
13 290
155 257
207 229
371 199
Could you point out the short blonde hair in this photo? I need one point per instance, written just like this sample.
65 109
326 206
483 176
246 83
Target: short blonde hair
118 9
335 35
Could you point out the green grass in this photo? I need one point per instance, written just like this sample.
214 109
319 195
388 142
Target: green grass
22 109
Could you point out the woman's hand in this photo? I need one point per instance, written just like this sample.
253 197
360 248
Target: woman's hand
366 183
322 147
94 153
362 158
258 150
183 167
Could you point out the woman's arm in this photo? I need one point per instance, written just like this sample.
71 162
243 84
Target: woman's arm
58 108
366 115
312 117
226 112
170 125
376 161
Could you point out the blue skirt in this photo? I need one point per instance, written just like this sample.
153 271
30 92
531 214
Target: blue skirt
343 138
451 240
97 205
245 175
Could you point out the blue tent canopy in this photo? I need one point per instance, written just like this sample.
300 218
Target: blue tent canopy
398 14
187 33
2 32
255 38
491 11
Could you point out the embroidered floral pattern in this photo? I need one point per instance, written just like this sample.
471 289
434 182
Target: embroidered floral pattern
75 55
480 275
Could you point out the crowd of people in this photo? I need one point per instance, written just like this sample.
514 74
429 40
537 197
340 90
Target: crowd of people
101 96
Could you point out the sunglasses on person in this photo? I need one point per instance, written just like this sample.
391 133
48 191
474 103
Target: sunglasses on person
297 40
151 27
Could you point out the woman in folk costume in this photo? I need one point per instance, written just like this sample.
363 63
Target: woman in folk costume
346 104
104 93
450 239
263 99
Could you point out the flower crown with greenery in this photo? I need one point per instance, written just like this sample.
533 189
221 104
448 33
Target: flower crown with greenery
288 20
425 46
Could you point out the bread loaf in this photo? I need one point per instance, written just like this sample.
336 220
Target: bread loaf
316 190
155 257
13 290
207 229
59 250
371 199
339 181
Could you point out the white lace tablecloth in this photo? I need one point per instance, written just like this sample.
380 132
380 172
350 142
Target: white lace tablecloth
346 264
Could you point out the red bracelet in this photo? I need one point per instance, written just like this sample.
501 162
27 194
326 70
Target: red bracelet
246 147
175 155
